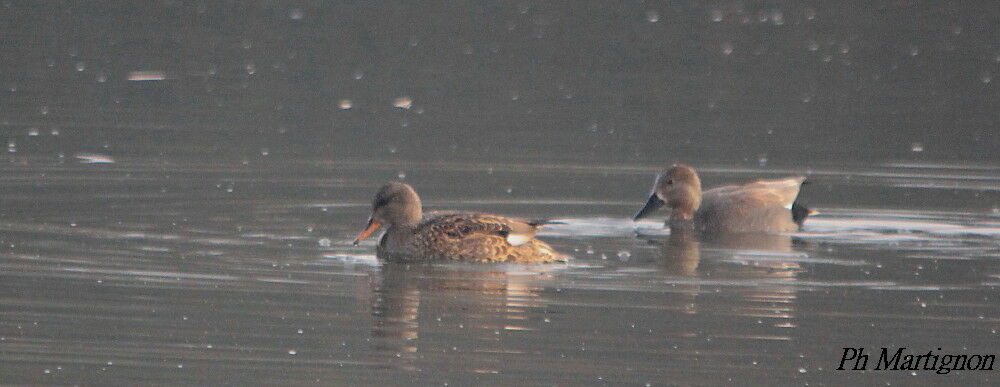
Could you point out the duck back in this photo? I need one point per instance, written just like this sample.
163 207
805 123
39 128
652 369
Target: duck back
759 206
469 237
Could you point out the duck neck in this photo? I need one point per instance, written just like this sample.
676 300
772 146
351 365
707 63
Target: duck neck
404 220
398 236
681 222
685 202
402 228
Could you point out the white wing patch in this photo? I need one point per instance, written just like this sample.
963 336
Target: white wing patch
518 239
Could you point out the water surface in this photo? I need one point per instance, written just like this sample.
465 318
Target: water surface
153 272
182 181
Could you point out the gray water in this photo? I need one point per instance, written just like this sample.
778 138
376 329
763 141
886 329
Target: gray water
183 180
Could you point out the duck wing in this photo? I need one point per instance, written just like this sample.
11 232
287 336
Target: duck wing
761 206
738 201
760 193
514 232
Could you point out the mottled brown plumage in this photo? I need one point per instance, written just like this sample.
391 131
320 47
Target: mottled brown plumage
759 206
470 237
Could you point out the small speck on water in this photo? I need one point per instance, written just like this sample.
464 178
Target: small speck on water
652 16
403 102
716 15
727 48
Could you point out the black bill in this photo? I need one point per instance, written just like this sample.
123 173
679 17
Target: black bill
654 203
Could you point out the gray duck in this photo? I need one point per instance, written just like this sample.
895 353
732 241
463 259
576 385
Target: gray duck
764 206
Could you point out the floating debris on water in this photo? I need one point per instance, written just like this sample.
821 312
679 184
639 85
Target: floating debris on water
652 16
402 102
147 75
94 158
727 48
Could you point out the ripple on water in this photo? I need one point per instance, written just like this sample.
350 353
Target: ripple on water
183 281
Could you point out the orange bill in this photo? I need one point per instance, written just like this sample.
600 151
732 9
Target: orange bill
372 226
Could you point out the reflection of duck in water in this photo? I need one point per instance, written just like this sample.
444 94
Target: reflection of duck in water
751 269
682 250
395 311
681 253
411 302
468 237
760 206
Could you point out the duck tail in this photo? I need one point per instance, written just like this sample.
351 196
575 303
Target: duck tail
542 222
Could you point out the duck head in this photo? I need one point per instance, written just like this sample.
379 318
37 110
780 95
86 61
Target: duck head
395 204
679 188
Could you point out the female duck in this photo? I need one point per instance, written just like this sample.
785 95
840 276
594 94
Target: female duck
469 237
760 206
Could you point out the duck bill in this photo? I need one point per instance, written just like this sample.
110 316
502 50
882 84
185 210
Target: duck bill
369 229
654 203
